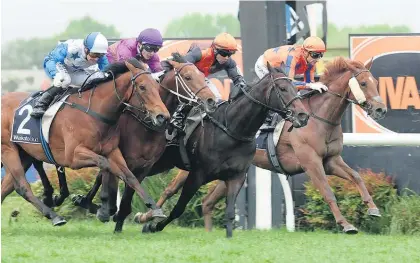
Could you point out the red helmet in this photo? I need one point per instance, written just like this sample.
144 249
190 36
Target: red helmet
314 44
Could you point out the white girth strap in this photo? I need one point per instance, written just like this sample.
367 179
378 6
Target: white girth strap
356 90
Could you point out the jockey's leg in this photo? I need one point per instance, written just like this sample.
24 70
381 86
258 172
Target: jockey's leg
178 118
41 105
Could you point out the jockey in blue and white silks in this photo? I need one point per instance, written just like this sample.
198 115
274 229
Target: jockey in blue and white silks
70 63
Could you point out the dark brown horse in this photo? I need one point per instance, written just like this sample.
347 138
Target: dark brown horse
315 149
80 140
223 147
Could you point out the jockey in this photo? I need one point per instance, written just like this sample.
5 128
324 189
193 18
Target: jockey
213 59
144 48
71 63
300 59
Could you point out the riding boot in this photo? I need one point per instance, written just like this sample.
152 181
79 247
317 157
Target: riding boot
41 105
177 120
267 125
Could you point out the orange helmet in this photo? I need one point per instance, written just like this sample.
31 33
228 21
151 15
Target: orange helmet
225 41
314 44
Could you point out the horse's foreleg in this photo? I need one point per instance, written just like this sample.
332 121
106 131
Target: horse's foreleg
192 184
86 202
119 167
313 166
173 187
125 208
338 167
233 187
108 196
14 167
209 201
64 190
48 189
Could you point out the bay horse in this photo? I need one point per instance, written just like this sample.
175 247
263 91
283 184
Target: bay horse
84 140
316 148
223 146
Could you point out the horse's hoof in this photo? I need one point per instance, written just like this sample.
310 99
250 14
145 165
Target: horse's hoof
93 208
350 229
137 218
158 213
103 217
149 228
78 200
374 212
58 221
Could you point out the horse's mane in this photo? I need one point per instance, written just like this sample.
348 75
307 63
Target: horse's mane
337 67
119 68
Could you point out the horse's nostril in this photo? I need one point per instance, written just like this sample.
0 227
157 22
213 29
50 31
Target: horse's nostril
160 119
211 102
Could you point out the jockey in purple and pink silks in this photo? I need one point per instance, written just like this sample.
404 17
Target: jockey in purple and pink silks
143 48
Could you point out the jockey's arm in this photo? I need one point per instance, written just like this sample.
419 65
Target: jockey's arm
103 63
122 52
154 64
234 73
56 56
194 55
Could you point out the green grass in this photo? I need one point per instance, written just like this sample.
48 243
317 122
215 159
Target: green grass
33 239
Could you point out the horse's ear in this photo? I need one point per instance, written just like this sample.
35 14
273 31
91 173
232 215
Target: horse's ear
174 64
283 68
369 64
130 66
269 67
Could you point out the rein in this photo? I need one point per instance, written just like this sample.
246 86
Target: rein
285 113
99 116
365 105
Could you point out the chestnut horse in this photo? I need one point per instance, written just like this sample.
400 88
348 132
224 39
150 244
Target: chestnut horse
315 149
84 140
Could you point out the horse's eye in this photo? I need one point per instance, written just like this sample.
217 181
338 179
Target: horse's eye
142 88
187 77
363 83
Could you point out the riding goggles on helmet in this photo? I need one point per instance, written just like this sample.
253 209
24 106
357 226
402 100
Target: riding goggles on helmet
316 55
151 48
225 53
96 55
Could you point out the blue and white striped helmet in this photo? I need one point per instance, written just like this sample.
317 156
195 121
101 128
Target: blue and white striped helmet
95 42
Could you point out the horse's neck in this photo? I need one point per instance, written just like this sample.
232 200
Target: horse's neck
329 106
244 116
104 99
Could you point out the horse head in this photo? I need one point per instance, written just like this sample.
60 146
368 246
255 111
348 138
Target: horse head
359 87
186 80
147 98
287 98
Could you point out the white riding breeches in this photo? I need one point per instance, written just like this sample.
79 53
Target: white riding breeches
260 69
